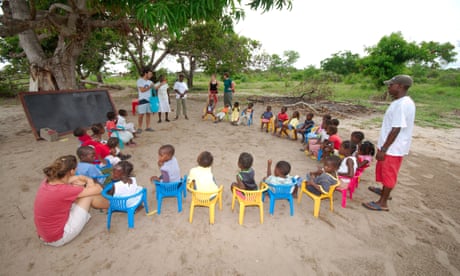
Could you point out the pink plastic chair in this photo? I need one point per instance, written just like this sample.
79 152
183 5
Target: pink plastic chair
350 188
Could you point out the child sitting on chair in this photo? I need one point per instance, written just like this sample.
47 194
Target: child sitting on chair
280 119
222 113
116 131
291 124
209 109
202 176
265 118
245 177
121 121
86 166
169 167
319 182
235 113
281 175
98 130
365 155
349 163
306 127
124 183
357 138
115 153
246 114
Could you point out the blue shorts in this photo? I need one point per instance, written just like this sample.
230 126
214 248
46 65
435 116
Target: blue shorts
143 108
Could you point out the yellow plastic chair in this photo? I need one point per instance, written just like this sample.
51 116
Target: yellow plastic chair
317 198
205 199
248 198
270 125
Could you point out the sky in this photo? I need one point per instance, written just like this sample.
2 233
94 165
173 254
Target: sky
318 29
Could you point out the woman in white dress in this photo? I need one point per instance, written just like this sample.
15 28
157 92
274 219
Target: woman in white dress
163 97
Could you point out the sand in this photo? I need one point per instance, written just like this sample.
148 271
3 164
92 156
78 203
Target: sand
420 235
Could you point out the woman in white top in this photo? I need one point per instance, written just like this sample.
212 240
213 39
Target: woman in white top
163 97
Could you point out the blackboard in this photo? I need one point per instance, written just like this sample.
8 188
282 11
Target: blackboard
64 111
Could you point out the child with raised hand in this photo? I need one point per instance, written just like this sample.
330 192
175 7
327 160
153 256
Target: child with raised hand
222 113
202 176
235 113
265 118
125 136
169 167
291 124
209 109
280 119
349 163
319 182
125 183
245 177
280 175
246 114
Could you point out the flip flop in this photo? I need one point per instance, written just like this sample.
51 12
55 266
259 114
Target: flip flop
376 190
374 206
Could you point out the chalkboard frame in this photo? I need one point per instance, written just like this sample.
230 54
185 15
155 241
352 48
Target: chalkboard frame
92 106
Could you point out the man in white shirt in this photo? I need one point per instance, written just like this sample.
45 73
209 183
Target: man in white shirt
144 89
394 141
181 90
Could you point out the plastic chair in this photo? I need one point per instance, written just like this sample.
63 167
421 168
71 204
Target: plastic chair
171 189
270 125
205 199
248 198
119 204
276 192
350 188
317 198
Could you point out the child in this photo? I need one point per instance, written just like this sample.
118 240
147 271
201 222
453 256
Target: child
265 118
101 150
320 182
98 130
349 163
209 109
235 113
306 127
115 153
124 183
86 166
122 114
334 137
245 177
222 113
280 119
365 155
327 149
246 115
116 131
356 138
281 175
291 124
169 167
202 176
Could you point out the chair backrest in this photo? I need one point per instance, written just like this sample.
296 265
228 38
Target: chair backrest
282 190
170 188
203 198
249 197
120 203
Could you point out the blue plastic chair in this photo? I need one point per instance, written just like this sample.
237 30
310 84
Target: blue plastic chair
119 204
171 189
283 191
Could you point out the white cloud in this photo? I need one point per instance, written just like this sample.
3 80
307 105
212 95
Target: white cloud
318 29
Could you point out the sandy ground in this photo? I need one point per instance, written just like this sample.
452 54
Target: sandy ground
419 236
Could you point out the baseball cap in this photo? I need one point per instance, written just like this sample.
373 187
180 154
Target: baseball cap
400 79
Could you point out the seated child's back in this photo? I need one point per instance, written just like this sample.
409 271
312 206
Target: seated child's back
124 183
202 175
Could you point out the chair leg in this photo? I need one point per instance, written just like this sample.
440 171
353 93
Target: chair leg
212 210
291 205
131 218
272 206
192 208
317 205
159 200
344 198
241 216
261 210
109 218
179 203
331 203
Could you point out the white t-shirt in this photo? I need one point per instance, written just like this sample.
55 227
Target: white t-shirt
144 83
125 189
400 113
181 87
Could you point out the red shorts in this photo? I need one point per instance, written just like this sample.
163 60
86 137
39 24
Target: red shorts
386 171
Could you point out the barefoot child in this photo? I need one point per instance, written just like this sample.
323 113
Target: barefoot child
169 167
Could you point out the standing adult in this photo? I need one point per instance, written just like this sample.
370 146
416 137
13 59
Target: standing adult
229 89
144 89
62 203
181 90
394 140
212 91
163 97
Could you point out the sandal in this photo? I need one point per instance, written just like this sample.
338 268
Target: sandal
377 190
374 206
